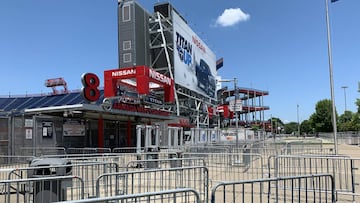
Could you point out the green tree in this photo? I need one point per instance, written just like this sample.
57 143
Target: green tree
276 124
345 122
306 127
291 127
358 105
355 122
321 119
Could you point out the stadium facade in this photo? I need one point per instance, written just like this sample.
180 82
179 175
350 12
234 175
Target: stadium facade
166 76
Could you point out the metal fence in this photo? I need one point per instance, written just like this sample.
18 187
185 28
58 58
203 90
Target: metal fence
307 188
345 170
14 161
73 150
207 149
275 147
164 163
125 170
41 190
232 166
127 149
39 151
152 180
88 172
8 163
183 195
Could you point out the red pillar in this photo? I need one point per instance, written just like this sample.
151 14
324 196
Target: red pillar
101 132
128 133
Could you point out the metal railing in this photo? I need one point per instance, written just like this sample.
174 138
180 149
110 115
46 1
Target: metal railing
38 151
345 170
88 172
307 188
232 166
73 150
164 163
152 180
183 195
109 174
39 190
14 161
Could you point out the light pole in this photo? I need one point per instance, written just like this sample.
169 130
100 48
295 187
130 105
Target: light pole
236 94
298 119
272 127
236 113
344 87
331 76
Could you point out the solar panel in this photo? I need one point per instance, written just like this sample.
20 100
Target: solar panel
13 105
35 103
21 103
4 102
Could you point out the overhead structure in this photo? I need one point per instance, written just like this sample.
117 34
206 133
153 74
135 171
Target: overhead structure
54 82
252 105
164 41
186 59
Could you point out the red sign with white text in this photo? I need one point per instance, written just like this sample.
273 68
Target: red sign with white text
142 78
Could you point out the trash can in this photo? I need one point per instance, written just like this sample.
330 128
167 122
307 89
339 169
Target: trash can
152 154
246 156
46 191
176 162
288 148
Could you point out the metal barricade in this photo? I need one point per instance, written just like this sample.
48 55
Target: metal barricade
298 147
38 151
207 149
151 180
73 150
345 171
232 166
126 150
166 163
32 189
88 171
14 161
8 163
307 188
123 158
183 195
118 159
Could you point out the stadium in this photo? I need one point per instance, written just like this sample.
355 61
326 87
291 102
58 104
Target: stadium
161 128
172 82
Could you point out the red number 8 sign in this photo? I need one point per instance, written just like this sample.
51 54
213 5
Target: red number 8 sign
90 89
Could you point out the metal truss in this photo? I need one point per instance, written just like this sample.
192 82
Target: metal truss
188 103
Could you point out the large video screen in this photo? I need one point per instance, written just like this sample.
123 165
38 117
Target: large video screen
194 62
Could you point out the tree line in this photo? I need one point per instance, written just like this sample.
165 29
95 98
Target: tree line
321 121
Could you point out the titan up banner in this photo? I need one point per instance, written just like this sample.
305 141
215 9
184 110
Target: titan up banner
194 62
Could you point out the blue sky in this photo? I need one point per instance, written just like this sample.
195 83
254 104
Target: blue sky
279 46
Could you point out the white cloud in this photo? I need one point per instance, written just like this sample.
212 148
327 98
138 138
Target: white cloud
232 16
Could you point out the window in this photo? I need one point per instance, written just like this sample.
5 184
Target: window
127 58
126 13
127 45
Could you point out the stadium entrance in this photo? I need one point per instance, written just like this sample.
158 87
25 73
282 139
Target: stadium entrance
93 117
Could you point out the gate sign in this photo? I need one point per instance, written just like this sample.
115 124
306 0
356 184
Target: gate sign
235 106
142 78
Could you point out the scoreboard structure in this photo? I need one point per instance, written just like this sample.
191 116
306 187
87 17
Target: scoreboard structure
164 42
